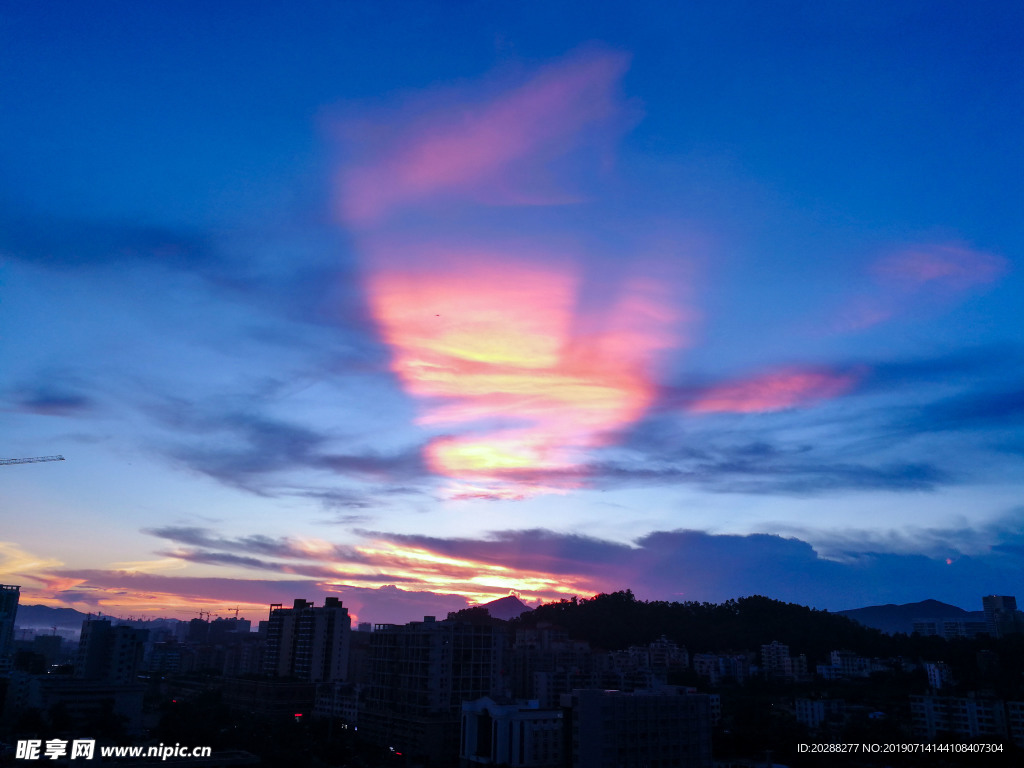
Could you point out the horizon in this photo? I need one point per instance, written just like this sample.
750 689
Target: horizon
707 301
253 622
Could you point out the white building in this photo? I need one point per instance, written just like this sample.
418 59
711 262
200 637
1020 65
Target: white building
520 734
816 712
939 674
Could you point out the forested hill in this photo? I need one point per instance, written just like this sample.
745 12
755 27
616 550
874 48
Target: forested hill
618 620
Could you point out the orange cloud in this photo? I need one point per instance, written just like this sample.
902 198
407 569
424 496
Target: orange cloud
475 579
515 371
382 563
774 391
377 563
499 346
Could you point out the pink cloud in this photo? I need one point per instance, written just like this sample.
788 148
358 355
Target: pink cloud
514 371
946 266
923 277
478 149
774 391
501 347
121 593
442 583
864 312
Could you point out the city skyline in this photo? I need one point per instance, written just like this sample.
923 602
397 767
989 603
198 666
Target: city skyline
696 302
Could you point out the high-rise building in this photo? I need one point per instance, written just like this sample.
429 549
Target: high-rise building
616 729
815 713
973 717
1001 615
718 667
9 595
308 643
939 674
544 663
227 631
109 654
776 661
420 674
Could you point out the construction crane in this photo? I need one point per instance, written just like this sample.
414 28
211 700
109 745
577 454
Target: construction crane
32 460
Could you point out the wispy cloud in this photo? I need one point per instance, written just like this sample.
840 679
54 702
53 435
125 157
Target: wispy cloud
696 565
972 410
245 448
774 391
918 277
989 539
48 400
64 242
946 266
479 147
377 560
828 569
16 563
737 469
275 546
124 592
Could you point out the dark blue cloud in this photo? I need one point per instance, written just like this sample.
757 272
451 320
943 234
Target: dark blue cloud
69 243
866 439
974 410
281 547
337 500
748 468
696 565
307 277
247 450
962 366
50 400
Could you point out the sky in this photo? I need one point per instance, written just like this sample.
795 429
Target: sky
424 304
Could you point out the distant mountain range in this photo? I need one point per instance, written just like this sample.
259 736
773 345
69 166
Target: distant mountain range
892 618
888 618
40 617
506 608
43 618
68 620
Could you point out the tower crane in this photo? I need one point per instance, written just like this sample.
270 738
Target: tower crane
31 460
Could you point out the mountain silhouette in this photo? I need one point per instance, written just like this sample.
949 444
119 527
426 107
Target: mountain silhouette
893 618
506 608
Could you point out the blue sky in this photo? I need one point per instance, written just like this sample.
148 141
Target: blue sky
422 303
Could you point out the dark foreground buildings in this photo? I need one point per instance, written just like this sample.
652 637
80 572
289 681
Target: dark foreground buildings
420 674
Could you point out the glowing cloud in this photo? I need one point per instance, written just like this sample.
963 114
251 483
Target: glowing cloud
499 344
16 563
774 391
472 578
517 372
381 560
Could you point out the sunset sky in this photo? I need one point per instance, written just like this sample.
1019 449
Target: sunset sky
420 304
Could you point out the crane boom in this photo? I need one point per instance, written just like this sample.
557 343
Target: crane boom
31 460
